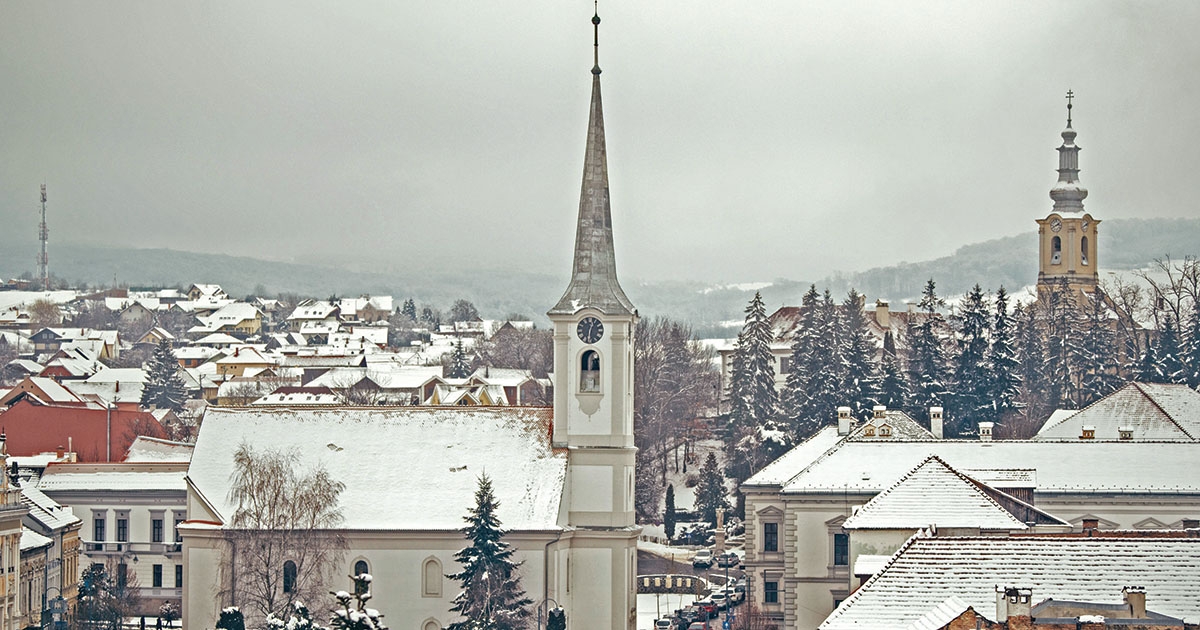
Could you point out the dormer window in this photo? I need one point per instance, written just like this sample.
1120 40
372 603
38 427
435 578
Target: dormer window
869 430
885 431
1088 433
589 372
1055 250
1126 433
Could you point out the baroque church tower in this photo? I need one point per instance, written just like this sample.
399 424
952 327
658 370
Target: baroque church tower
1067 236
593 405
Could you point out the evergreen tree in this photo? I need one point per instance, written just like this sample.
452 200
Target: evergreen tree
927 364
1002 361
859 388
491 596
1170 353
1031 357
164 388
1097 355
755 439
1192 356
1061 369
812 392
669 514
409 309
970 401
231 619
710 492
892 383
804 342
459 366
352 612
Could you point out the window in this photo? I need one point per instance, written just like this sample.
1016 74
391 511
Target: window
178 537
841 550
98 529
122 529
885 431
289 576
1056 250
770 536
869 430
157 576
785 365
589 371
360 567
179 576
771 592
156 530
431 578
1083 250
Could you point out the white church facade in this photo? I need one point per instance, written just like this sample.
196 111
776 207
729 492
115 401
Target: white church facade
563 477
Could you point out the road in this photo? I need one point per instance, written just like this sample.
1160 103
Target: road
650 564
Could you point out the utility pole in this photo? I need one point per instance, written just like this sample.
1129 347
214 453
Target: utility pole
43 257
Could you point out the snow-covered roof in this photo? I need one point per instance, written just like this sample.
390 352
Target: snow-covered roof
152 449
118 375
32 540
408 468
313 309
792 462
1123 467
868 564
114 477
217 339
298 399
1152 411
900 425
933 493
928 569
49 513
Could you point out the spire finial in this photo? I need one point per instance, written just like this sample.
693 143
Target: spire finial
1070 97
596 35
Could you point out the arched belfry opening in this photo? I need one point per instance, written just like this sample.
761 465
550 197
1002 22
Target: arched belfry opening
1083 250
589 372
1056 250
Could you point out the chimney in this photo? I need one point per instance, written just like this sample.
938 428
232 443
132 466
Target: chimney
883 314
878 412
1014 603
1090 524
843 420
59 452
1135 599
985 431
935 422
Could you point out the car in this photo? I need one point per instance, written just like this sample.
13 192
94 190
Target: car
721 599
693 613
707 607
698 625
664 624
702 559
728 559
739 593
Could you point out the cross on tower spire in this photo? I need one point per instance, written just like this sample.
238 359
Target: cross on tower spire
1070 97
596 37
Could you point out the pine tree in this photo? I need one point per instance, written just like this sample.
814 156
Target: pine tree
1097 355
892 383
804 340
164 388
710 493
1170 353
491 597
859 388
459 366
927 365
970 401
1031 357
1061 369
1003 365
669 514
409 309
1192 356
755 438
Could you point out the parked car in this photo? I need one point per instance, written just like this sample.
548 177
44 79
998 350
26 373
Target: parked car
692 614
702 559
728 559
698 625
663 624
709 608
739 593
721 599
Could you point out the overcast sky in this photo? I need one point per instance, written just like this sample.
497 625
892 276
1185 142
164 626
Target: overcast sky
746 140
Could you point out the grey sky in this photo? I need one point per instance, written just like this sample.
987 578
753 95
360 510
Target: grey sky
747 140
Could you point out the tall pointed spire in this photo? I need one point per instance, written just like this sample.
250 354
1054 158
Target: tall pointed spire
1067 194
594 271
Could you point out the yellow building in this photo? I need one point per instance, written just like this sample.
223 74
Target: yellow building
1067 236
11 513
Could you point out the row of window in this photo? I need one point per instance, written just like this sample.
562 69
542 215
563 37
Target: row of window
122 575
1056 250
841 544
100 526
431 575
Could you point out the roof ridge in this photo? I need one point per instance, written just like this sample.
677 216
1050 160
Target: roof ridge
1160 407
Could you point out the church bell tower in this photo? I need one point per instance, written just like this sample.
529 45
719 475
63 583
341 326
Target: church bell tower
593 405
1067 236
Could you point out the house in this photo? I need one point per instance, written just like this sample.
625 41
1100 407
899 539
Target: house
798 553
197 292
50 340
564 478
12 511
32 577
155 336
241 359
98 430
235 318
130 515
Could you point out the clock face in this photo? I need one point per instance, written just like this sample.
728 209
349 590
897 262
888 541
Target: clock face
1056 225
589 330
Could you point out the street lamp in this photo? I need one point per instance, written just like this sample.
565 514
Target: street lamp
556 618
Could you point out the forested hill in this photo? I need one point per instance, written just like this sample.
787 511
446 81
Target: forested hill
1011 262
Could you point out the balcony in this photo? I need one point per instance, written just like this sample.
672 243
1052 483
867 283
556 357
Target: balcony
121 548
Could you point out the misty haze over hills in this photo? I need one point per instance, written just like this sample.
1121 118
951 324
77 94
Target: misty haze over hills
1011 261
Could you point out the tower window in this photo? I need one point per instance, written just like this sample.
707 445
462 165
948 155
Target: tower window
1083 247
589 371
289 576
1056 250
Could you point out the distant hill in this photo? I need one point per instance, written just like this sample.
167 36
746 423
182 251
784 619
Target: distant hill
1010 261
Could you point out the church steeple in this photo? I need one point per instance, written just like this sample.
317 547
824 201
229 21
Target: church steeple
594 271
1067 194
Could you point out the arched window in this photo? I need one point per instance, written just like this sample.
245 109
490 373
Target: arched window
1056 250
1083 250
289 576
869 430
431 578
885 431
589 371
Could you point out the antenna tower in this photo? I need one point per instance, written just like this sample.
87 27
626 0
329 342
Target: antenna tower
43 258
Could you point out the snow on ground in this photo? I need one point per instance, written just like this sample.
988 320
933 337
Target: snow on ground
9 299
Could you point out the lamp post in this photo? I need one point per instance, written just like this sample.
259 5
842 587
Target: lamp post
556 618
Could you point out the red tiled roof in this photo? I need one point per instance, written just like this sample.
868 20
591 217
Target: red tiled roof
33 428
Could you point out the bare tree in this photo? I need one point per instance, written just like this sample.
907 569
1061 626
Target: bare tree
282 539
44 313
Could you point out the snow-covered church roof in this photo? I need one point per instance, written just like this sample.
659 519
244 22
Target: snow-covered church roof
1145 411
407 468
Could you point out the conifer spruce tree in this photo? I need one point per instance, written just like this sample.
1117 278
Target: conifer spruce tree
755 439
1061 368
892 382
1097 352
804 339
1170 353
859 389
164 388
927 365
491 596
459 366
669 514
1192 356
1031 361
710 493
1002 358
823 394
409 309
970 401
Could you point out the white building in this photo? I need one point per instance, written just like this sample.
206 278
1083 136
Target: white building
564 480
